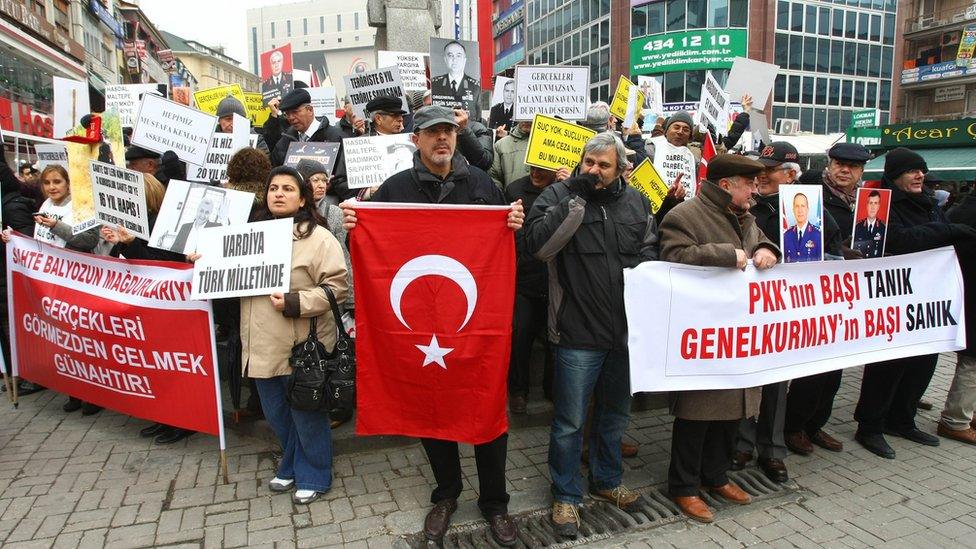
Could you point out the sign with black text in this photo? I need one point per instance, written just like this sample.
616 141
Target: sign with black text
551 91
243 260
120 198
162 125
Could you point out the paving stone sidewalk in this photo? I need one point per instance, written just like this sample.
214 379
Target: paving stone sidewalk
73 481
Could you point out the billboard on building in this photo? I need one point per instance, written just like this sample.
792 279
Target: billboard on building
688 50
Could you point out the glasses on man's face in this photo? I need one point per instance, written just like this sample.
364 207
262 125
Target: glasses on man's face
294 112
438 130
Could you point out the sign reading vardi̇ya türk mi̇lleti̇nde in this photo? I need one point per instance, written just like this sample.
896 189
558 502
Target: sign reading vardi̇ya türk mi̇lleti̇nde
687 51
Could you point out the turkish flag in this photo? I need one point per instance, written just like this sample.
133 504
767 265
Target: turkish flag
435 288
708 152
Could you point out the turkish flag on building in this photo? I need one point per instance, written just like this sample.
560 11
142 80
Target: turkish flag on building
435 288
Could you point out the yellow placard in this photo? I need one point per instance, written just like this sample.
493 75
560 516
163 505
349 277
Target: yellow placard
555 143
256 110
618 107
648 182
207 100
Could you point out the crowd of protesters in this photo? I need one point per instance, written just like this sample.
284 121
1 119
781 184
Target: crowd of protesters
576 230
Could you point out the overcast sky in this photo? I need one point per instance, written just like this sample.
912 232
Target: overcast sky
210 22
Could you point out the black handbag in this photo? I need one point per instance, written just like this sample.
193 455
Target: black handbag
322 380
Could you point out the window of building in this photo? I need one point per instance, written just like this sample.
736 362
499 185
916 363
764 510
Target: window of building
693 85
793 89
697 14
796 17
806 119
863 55
806 92
782 15
820 89
850 57
820 121
850 24
339 22
837 28
823 55
605 37
355 20
846 93
833 92
875 28
809 53
862 26
674 84
781 55
859 93
322 24
796 52
638 22
272 29
886 60
655 17
718 13
676 15
874 61
833 121
823 25
288 27
884 101
889 28
779 88
810 20
738 13
304 26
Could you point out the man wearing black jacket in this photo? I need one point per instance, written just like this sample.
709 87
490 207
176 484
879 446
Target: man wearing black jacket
17 215
297 110
441 177
890 390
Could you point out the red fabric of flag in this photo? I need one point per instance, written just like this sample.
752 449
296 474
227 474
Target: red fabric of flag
708 152
435 289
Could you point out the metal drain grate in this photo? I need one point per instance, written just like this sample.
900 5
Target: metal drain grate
598 520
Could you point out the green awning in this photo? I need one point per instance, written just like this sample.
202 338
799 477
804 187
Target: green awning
950 164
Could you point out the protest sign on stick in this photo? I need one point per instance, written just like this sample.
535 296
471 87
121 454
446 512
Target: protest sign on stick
120 198
455 74
207 100
70 105
324 153
162 125
555 143
371 160
623 99
788 322
82 207
801 223
363 86
124 98
413 67
276 73
753 78
871 221
324 103
257 111
648 182
51 153
552 91
222 147
714 105
243 260
189 207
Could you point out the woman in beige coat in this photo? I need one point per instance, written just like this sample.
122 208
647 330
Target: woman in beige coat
271 325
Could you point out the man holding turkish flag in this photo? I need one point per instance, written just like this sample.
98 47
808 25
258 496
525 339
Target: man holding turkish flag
436 280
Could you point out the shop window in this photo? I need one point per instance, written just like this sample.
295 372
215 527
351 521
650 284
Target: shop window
796 52
718 13
833 92
796 17
697 14
810 20
809 53
781 54
676 15
738 13
806 96
793 90
821 91
782 15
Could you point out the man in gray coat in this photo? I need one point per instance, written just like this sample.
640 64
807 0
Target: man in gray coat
713 229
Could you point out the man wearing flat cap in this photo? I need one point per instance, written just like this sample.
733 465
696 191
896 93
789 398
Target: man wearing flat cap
296 107
439 176
841 179
713 229
385 115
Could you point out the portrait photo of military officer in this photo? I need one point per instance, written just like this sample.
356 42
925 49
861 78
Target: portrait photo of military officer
871 214
801 211
276 73
455 74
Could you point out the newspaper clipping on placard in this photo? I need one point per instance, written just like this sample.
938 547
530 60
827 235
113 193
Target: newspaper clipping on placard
120 198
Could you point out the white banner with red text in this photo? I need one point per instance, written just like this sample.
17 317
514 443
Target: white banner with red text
696 328
102 330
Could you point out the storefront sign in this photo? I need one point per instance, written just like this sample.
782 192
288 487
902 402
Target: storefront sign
105 17
687 51
950 93
869 137
967 44
938 71
865 118
509 18
947 133
131 55
20 117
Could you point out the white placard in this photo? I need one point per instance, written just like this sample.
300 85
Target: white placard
51 153
669 161
363 86
324 103
120 198
189 207
551 91
653 95
162 125
70 104
243 260
787 322
413 67
714 104
222 147
371 160
124 98
752 77
631 107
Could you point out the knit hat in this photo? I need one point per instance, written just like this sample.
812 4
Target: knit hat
901 160
230 105
308 167
597 118
680 116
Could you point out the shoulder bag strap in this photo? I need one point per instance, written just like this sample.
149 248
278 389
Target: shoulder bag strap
342 337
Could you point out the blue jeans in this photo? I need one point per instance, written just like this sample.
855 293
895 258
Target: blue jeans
306 437
580 373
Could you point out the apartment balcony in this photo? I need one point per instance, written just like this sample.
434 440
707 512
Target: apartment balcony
939 21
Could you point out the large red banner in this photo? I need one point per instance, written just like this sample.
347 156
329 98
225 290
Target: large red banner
435 288
120 334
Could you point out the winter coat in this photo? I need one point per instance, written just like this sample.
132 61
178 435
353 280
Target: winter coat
531 274
965 212
587 241
509 161
475 143
267 335
703 231
837 207
289 136
917 223
333 219
465 184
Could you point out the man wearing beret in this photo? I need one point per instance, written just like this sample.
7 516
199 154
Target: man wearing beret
713 229
890 390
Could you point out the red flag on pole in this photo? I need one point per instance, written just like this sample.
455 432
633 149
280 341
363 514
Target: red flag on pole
708 152
435 288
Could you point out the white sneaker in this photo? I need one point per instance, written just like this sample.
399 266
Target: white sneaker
281 484
303 497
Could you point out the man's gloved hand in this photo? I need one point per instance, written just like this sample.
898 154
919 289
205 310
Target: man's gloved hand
583 185
170 167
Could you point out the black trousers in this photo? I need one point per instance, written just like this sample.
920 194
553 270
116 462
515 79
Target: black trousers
701 454
810 402
490 460
890 392
530 320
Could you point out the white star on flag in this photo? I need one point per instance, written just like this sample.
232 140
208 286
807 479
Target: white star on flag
434 352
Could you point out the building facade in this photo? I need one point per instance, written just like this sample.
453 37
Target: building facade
141 46
210 66
508 34
938 75
95 26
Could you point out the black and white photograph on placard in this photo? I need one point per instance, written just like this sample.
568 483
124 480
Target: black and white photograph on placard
188 207
502 103
455 74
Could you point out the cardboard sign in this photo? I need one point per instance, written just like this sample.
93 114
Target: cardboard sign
51 153
455 74
371 160
276 73
82 206
871 221
257 111
222 147
714 105
124 98
801 226
363 86
324 153
670 161
208 99
243 260
120 198
623 99
324 103
555 143
162 125
648 182
70 105
653 94
752 77
413 67
189 207
551 91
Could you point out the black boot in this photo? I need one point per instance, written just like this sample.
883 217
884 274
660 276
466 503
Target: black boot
72 405
175 435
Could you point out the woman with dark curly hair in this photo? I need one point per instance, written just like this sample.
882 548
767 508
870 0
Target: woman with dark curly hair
247 170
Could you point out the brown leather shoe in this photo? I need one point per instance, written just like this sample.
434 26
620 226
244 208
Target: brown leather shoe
798 443
695 508
965 435
732 493
503 530
628 449
740 460
439 519
517 404
774 469
827 442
